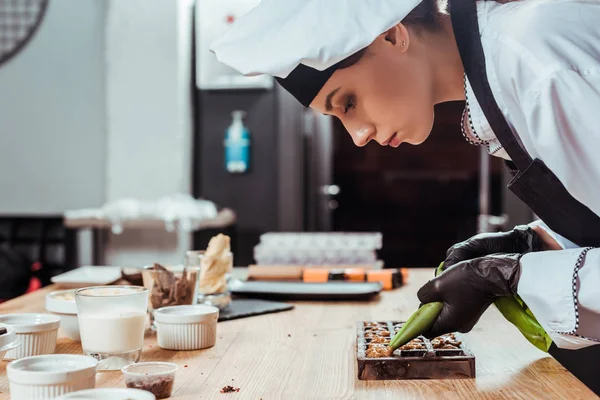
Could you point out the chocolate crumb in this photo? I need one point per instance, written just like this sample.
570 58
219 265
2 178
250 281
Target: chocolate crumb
229 389
185 366
3 331
289 335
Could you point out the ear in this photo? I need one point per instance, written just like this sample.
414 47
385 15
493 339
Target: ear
397 36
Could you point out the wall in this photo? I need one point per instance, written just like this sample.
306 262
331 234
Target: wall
52 114
97 107
148 77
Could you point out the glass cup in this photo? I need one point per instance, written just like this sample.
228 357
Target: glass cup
112 323
220 299
170 286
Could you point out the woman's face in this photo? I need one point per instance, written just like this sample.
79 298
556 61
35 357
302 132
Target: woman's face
387 96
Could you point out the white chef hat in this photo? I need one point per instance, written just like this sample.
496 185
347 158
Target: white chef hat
300 41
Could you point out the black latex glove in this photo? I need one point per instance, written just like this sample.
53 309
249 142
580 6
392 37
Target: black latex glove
468 288
522 240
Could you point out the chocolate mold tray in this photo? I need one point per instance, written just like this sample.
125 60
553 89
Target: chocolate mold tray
426 362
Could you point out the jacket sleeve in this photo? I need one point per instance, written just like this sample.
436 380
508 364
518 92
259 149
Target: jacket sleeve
560 288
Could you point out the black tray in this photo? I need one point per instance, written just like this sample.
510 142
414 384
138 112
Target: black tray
242 308
306 291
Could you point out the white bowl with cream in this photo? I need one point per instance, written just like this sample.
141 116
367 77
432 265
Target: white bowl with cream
36 332
50 376
62 303
109 394
8 340
190 327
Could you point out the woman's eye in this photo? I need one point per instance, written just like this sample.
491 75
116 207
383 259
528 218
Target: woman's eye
349 104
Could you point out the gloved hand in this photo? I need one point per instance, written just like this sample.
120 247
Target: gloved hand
522 239
468 288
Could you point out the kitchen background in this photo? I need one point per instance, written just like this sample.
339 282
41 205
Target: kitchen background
114 99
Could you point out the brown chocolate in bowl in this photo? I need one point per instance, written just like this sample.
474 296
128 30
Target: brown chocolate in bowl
160 386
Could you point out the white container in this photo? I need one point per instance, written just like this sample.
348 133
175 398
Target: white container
62 303
50 376
186 327
109 394
8 341
36 332
155 377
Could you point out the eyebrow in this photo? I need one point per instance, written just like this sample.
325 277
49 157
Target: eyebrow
328 105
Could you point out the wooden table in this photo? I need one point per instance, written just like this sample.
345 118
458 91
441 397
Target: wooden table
309 353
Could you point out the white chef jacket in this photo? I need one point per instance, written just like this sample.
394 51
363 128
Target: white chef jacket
543 66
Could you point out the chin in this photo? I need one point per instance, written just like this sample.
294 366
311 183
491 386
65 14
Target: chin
421 133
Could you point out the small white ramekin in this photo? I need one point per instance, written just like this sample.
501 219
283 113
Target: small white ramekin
36 332
190 327
50 376
62 303
8 341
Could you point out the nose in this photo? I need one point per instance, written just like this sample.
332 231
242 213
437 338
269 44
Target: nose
362 135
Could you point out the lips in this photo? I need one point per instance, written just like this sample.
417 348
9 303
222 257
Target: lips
393 141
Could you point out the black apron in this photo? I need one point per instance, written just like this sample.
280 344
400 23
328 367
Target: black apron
532 181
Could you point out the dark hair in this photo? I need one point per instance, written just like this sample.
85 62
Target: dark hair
426 17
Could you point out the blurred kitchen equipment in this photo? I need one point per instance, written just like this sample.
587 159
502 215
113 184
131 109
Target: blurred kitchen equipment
19 20
237 144
87 276
317 248
487 222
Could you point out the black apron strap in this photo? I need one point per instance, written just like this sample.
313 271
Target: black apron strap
466 29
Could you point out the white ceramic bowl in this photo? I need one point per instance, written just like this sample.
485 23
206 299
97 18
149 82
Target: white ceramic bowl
8 341
109 394
50 376
186 327
62 303
36 332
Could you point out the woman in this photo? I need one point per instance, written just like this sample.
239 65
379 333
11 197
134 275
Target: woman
530 74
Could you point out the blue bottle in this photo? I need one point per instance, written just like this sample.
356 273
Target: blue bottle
237 145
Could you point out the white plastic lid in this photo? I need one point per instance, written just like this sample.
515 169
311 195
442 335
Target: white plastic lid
62 302
51 369
9 337
31 322
189 314
109 394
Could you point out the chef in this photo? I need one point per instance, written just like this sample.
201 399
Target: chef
529 71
